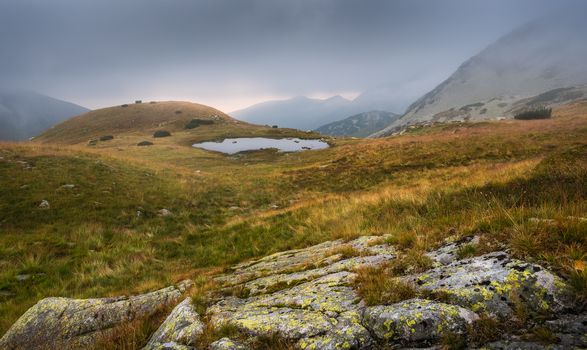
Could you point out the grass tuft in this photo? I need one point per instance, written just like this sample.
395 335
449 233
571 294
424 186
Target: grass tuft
376 286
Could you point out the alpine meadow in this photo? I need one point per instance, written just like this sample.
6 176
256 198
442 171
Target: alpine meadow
293 175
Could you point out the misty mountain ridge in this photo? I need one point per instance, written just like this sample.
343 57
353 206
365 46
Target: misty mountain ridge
359 125
299 112
541 56
24 114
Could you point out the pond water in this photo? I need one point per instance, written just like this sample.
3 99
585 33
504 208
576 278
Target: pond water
235 145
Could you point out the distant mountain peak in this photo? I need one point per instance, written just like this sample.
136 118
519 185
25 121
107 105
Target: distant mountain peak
359 125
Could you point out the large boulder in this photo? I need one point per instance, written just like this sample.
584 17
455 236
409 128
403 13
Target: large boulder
303 295
63 323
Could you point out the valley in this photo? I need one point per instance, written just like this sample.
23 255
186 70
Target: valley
122 219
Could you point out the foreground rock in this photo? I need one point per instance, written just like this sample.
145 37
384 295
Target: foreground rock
181 328
63 323
307 297
495 283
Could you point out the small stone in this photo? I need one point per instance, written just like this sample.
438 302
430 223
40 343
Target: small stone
22 277
6 294
68 186
44 204
139 213
164 212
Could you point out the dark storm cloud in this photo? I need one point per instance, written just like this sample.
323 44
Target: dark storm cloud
229 52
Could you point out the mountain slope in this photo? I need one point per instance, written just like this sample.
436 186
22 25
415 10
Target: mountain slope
299 112
24 114
359 125
536 58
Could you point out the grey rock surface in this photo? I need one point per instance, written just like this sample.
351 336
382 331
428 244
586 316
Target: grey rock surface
78 323
183 326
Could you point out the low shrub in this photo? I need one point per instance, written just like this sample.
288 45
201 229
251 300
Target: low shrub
194 123
161 133
541 113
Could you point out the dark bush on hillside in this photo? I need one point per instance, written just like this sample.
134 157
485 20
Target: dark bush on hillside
106 137
542 113
124 105
194 123
161 133
145 143
274 126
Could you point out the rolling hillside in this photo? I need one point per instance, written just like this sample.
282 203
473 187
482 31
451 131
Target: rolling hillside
132 123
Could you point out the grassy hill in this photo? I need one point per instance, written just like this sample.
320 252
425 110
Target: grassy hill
105 236
132 123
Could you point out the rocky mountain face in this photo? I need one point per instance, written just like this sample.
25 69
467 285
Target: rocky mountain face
25 114
308 297
542 56
359 125
299 112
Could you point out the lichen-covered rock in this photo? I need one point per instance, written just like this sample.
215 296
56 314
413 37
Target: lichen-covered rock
77 323
183 326
299 260
169 346
495 283
417 321
571 330
522 345
264 284
323 314
449 252
227 344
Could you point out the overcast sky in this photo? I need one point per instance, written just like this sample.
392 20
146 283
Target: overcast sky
231 54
